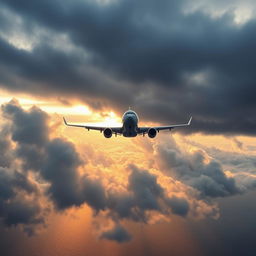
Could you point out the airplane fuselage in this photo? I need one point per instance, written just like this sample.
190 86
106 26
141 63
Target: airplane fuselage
130 124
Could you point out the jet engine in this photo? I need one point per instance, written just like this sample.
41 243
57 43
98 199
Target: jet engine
107 133
152 133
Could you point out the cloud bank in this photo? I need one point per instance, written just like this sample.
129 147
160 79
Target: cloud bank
41 173
176 58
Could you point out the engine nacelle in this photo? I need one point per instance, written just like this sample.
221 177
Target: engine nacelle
107 133
152 133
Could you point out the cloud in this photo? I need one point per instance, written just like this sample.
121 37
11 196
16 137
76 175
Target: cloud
27 127
21 212
56 160
196 170
94 194
145 188
20 201
141 54
118 234
179 206
47 169
5 145
240 165
145 197
60 169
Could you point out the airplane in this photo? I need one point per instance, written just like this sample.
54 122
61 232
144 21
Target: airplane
130 127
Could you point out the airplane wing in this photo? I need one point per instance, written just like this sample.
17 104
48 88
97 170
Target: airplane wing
117 130
143 130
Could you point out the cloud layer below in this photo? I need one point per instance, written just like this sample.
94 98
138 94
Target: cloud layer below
42 173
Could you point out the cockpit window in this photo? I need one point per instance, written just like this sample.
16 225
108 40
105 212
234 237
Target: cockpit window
129 112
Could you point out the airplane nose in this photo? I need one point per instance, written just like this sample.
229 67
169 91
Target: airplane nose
130 118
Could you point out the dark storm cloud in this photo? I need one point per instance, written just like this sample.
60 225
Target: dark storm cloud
242 165
30 130
21 212
179 206
144 194
5 145
27 127
15 208
94 194
60 169
205 175
145 188
56 160
49 70
19 195
122 205
237 161
150 55
118 234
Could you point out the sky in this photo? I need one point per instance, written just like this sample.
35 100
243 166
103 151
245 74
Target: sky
67 191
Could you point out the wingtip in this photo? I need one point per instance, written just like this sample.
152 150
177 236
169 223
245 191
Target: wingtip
190 120
65 122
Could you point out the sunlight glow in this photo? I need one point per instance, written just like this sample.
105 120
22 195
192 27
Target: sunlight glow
241 11
67 110
111 119
49 107
242 15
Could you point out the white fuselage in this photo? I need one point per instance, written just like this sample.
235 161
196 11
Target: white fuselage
130 124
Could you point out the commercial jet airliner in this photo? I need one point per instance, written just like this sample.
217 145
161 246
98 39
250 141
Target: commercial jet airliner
130 127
